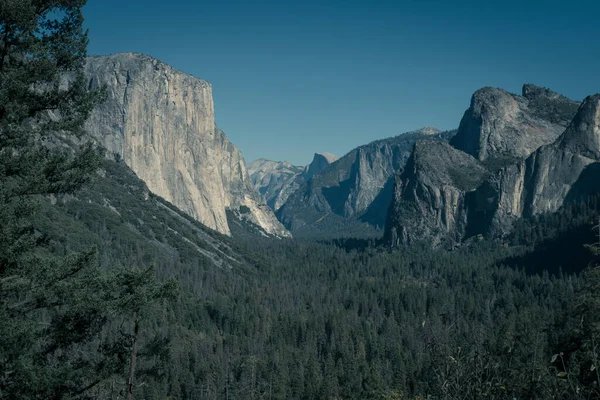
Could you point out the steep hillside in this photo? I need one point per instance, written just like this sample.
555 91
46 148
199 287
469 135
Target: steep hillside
130 224
161 122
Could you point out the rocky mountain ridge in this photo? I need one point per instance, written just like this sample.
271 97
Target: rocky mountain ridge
556 174
512 157
352 195
277 180
500 126
527 182
160 121
274 180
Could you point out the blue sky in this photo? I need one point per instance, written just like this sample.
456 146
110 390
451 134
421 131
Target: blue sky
291 78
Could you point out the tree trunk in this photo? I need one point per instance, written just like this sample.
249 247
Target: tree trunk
136 329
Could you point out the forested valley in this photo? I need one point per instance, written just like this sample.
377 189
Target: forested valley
302 319
107 291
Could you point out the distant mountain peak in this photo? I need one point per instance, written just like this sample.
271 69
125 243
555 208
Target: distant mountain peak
264 163
320 162
531 91
503 126
429 130
328 156
274 180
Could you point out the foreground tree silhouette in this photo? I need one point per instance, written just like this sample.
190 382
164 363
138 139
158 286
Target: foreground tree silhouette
51 308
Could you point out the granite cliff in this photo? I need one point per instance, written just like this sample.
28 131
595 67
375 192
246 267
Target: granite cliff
513 165
430 194
564 171
160 121
351 196
500 127
319 163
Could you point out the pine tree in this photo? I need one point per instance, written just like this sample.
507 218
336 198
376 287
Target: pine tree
49 307
137 291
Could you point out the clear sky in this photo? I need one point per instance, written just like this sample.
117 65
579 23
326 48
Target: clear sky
291 78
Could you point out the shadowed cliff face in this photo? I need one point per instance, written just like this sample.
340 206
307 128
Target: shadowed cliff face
430 195
161 122
426 197
554 174
500 127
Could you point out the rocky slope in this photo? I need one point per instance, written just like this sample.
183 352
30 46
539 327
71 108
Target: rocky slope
117 213
427 205
277 180
161 122
500 127
351 196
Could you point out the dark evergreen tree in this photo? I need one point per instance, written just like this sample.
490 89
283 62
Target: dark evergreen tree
49 306
137 291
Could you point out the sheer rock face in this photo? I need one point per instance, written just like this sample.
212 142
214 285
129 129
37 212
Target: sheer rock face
354 190
563 171
428 205
161 122
501 127
430 195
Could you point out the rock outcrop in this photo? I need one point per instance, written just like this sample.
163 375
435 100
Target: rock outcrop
352 195
500 127
430 195
161 122
563 171
428 205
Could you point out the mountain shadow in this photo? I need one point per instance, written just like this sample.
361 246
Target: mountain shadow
564 253
556 241
376 214
336 196
587 184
